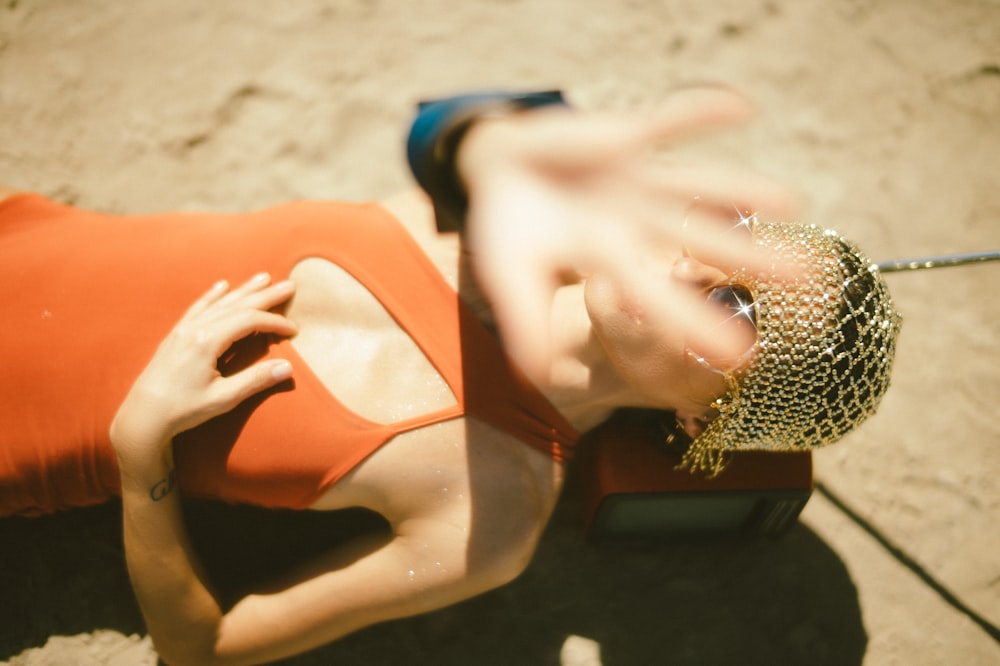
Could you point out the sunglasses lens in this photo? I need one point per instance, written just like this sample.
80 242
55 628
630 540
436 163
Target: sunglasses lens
737 301
737 304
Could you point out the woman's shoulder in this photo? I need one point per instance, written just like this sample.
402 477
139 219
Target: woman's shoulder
460 465
6 192
413 210
415 213
460 499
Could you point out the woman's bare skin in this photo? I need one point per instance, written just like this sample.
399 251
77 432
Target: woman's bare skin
466 503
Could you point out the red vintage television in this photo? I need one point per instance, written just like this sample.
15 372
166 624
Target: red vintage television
630 487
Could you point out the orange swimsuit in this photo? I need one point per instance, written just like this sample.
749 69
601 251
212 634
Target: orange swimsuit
87 297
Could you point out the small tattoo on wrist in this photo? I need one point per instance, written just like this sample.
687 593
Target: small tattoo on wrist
163 487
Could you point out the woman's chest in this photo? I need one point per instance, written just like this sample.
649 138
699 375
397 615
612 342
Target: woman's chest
358 350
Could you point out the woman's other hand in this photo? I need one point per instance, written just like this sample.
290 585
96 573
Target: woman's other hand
556 192
181 387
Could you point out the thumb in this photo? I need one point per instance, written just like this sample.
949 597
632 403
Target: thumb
522 305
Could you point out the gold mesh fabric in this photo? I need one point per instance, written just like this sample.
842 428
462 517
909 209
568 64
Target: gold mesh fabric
825 345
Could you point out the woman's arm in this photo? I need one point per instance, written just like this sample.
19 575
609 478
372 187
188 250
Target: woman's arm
424 564
179 389
174 596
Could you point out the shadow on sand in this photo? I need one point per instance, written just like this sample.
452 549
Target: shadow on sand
757 602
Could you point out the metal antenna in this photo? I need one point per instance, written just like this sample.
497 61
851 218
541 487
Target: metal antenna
895 265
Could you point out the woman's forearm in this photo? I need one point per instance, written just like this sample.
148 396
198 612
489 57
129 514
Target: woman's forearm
180 389
182 615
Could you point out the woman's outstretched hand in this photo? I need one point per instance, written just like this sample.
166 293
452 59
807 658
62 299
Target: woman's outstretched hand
557 192
181 387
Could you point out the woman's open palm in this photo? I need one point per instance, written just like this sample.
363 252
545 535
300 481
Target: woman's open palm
557 191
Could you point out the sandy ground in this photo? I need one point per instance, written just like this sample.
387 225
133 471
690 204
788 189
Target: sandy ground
886 115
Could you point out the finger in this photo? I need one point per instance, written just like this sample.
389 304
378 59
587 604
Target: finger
220 294
251 286
698 109
721 211
522 304
521 246
565 140
673 305
244 322
723 188
667 301
255 294
520 298
568 139
727 244
268 297
233 390
216 292
724 241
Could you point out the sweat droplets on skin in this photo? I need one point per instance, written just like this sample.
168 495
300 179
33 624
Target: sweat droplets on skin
429 400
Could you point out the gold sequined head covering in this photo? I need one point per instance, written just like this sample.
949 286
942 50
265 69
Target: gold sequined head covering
826 338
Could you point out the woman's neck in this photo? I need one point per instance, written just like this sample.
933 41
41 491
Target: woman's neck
583 383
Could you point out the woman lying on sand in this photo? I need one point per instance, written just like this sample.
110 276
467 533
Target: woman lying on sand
328 355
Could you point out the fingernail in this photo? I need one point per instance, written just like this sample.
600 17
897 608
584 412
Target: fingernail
220 285
261 277
282 370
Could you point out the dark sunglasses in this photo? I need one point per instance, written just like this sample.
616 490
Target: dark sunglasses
739 303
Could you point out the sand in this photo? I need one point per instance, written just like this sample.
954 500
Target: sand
884 115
